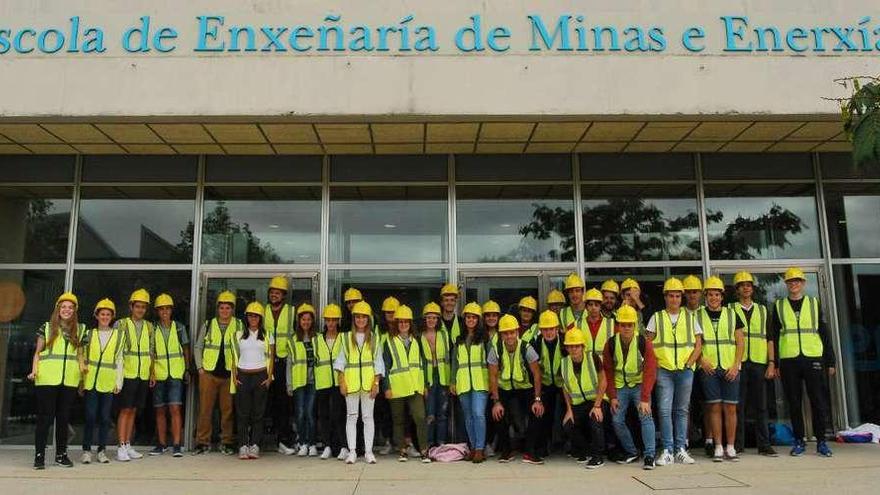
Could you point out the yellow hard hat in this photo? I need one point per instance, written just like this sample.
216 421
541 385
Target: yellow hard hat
629 284
352 294
403 312
593 295
528 302
305 308
548 319
714 283
741 277
507 323
67 296
449 288
573 281
574 337
163 300
254 308
626 314
672 284
692 282
140 295
332 311
610 286
279 283
390 304
491 307
431 308
794 273
362 308
555 297
105 304
226 297
472 308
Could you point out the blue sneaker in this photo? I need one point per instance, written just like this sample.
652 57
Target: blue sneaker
823 449
798 449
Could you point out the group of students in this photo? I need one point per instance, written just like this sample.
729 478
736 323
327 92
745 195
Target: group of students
507 382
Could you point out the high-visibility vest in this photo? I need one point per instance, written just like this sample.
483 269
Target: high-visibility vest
674 344
136 358
628 369
441 343
281 329
513 374
407 375
359 369
640 324
550 363
799 336
101 374
214 339
454 331
530 333
606 329
325 377
756 332
719 341
58 363
569 322
169 354
472 372
582 386
299 361
234 345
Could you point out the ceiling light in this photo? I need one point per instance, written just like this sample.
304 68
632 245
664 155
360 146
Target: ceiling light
390 226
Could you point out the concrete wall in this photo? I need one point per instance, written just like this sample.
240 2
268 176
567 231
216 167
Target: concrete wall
448 82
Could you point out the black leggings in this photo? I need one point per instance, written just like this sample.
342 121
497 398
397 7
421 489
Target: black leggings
331 414
250 404
53 405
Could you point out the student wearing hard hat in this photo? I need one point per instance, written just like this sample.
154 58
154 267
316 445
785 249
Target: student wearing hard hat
360 368
631 295
103 379
213 358
693 301
555 300
693 293
382 410
629 359
137 361
449 319
301 378
758 367
528 310
610 293
171 358
575 314
515 389
330 405
676 336
350 297
805 355
548 346
57 369
720 362
404 383
253 355
491 319
584 385
598 327
278 321
470 380
436 346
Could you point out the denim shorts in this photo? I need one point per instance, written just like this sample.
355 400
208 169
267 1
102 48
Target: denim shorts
717 389
168 393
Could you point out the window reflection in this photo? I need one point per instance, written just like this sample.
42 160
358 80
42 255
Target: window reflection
35 222
853 219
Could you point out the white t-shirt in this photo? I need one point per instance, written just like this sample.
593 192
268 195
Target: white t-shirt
252 351
652 325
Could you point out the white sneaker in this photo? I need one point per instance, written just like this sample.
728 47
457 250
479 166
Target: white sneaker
730 454
351 457
122 454
412 452
254 451
665 459
343 453
86 457
386 449
244 453
370 458
326 453
102 457
313 451
134 454
285 450
682 457
303 450
489 451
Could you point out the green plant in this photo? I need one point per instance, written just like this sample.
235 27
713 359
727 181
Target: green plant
861 117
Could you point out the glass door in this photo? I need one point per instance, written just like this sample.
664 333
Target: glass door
507 288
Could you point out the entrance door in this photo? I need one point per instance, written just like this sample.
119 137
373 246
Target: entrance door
507 288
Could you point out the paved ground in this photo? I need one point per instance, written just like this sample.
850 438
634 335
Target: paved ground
854 469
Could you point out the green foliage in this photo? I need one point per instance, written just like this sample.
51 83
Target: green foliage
861 119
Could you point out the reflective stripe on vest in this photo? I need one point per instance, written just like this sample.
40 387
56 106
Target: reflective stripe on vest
550 365
235 347
472 372
214 340
136 358
799 336
628 369
580 387
325 376
719 344
359 370
298 360
281 330
569 321
101 374
58 363
756 332
406 376
673 344
606 330
530 334
512 372
169 354
441 343
453 332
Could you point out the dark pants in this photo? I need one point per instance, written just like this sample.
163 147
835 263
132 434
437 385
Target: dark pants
250 403
752 395
583 427
279 404
797 372
416 405
53 405
516 406
98 407
383 419
540 430
330 405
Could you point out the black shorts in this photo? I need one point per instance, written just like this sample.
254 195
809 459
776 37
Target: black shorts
133 393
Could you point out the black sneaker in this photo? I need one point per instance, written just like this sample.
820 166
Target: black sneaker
627 459
532 459
505 456
158 450
201 449
649 463
227 450
709 448
40 460
63 461
768 451
178 452
595 462
583 460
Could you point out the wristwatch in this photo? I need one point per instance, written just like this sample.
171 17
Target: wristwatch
537 399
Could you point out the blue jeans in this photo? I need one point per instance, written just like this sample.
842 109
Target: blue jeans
626 397
98 408
674 398
473 404
304 403
435 414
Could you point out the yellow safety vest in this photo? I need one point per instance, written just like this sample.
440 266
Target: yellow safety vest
58 363
169 354
453 332
550 365
756 332
136 358
512 371
640 324
280 330
674 344
214 339
472 372
799 336
359 369
628 369
299 361
234 345
441 342
101 374
606 329
325 377
530 334
580 387
719 341
407 375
